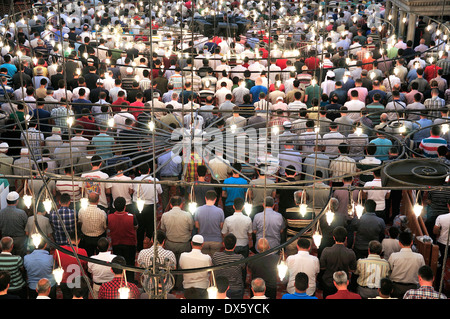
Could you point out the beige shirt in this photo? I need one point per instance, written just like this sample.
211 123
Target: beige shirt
93 221
405 265
177 224
220 168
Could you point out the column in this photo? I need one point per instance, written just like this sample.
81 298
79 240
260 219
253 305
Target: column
401 28
411 27
387 9
394 15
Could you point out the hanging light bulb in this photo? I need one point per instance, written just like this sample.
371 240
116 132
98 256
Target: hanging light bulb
248 208
70 121
233 128
330 216
212 292
282 269
192 207
417 209
36 238
47 205
58 274
275 130
151 126
402 129
358 131
317 238
303 209
84 202
140 204
111 122
444 128
124 292
359 210
27 200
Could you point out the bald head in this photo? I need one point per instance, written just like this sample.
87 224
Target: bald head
263 245
43 286
93 198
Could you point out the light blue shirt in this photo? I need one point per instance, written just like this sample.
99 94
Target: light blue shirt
210 218
38 264
274 223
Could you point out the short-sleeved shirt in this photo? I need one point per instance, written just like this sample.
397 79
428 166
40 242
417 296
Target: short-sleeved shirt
234 192
12 264
210 219
240 226
443 221
273 222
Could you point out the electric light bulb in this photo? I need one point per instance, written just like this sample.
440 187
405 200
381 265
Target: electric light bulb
330 216
192 207
275 130
70 121
233 128
58 274
124 292
282 269
317 238
36 238
84 202
359 210
248 208
358 131
417 209
151 125
444 128
303 209
402 129
27 199
140 204
47 205
212 292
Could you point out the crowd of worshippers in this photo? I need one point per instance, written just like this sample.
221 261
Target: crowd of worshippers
348 108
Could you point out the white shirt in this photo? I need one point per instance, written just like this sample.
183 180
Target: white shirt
99 187
443 221
302 262
378 195
146 191
101 273
356 106
240 225
195 259
121 189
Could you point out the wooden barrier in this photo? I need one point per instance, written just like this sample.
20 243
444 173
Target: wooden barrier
428 250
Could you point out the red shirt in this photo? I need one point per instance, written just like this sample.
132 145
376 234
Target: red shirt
118 103
89 126
344 294
110 289
136 111
281 63
312 63
122 228
70 264
431 72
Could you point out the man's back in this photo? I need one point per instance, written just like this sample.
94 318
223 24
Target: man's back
334 258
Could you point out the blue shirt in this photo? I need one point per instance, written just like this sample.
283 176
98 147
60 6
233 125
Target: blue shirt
234 192
103 145
210 219
298 295
383 146
38 264
254 91
423 133
169 165
12 69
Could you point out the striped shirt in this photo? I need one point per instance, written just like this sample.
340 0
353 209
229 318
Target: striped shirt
145 257
233 273
343 165
12 264
433 105
68 221
424 292
430 145
371 270
67 187
59 115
